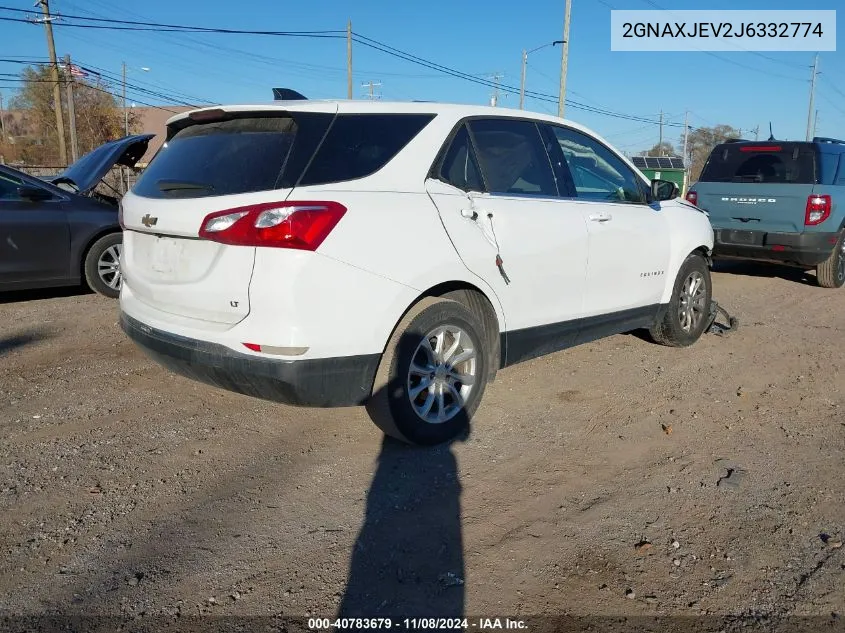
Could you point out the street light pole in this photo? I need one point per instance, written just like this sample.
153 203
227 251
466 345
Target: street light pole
525 66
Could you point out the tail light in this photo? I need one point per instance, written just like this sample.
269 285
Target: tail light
818 209
299 225
692 197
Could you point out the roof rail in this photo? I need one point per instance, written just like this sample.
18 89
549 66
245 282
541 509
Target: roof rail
736 140
824 139
286 94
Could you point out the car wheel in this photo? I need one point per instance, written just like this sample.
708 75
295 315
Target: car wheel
102 265
686 316
432 374
831 272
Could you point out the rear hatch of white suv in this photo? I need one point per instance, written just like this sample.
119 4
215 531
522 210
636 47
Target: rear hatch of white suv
214 161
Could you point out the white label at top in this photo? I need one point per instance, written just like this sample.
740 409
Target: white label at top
758 30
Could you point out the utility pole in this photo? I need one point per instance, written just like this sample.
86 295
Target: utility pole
564 59
71 111
371 95
494 99
2 122
57 94
349 59
522 81
660 143
816 124
686 138
125 110
812 96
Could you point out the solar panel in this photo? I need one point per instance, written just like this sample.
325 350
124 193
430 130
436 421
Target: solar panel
658 162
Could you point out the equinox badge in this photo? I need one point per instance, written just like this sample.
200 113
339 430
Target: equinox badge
149 220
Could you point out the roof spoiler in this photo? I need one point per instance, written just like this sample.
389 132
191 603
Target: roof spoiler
824 139
286 94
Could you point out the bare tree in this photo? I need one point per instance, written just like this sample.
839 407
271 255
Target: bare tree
662 149
701 143
99 118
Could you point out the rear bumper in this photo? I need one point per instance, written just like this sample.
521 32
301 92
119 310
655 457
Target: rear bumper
801 249
313 382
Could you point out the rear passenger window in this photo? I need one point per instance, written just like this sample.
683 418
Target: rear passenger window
358 145
512 157
459 167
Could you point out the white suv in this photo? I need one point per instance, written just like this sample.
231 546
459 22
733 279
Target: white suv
333 253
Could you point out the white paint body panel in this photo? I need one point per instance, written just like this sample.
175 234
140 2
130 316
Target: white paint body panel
542 244
401 235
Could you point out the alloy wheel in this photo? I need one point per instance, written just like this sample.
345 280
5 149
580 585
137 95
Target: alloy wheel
442 374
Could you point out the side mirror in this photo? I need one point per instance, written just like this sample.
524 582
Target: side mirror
34 194
664 190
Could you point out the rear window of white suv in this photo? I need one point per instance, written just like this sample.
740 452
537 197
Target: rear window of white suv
245 152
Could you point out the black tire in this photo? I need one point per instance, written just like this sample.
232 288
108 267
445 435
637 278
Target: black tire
831 272
103 248
669 329
390 405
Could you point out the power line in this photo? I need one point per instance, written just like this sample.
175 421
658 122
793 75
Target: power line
180 40
730 61
555 82
135 25
395 52
105 74
136 88
832 102
113 24
92 87
832 85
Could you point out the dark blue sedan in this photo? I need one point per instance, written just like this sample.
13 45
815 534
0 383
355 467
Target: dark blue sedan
59 231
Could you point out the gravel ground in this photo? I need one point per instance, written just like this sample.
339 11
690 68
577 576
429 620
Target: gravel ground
619 478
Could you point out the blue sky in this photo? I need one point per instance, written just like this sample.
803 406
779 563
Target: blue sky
481 38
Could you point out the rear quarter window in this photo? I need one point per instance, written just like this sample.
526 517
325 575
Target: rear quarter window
785 163
358 145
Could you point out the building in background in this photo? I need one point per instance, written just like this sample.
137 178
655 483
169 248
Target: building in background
19 128
152 121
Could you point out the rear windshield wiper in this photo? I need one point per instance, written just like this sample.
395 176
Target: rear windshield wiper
182 185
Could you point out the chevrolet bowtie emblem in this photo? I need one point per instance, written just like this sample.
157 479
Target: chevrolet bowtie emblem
149 220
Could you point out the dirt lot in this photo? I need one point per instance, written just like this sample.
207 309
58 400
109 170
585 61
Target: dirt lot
126 490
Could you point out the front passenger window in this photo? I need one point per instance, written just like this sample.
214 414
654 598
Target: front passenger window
598 174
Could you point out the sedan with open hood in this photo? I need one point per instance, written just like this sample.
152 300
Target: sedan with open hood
62 231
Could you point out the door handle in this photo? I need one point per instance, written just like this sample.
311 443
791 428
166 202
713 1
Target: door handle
601 217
